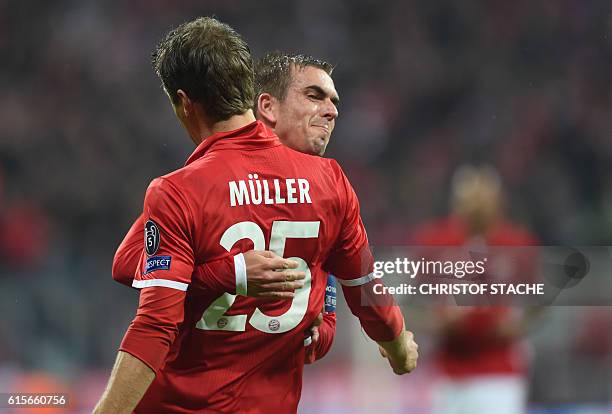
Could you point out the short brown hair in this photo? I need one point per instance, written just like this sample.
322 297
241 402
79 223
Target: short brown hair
211 63
273 72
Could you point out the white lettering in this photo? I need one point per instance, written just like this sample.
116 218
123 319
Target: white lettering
238 193
255 196
258 191
304 187
277 193
291 191
267 199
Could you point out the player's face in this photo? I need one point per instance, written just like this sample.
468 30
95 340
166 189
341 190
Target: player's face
306 117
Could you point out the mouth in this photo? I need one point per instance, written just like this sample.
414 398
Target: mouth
323 127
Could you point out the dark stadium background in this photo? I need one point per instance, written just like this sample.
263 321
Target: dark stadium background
425 87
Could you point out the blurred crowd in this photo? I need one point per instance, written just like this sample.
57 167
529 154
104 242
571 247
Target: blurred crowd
425 87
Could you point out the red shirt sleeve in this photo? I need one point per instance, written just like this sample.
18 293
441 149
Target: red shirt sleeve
153 330
167 258
217 276
378 314
352 263
163 274
350 257
128 254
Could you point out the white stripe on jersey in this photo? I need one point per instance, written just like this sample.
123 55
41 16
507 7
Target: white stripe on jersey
357 282
159 282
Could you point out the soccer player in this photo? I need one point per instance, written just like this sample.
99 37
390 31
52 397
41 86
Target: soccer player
241 189
281 80
479 349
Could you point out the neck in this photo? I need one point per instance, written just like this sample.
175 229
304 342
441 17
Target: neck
206 129
235 122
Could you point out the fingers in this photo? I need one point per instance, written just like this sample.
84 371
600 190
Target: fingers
292 276
274 261
265 253
411 341
403 355
382 351
277 262
276 295
315 334
285 276
283 286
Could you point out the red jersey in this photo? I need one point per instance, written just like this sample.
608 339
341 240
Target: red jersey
472 347
215 276
242 190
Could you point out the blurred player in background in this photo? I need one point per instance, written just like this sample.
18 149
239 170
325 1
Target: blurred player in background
479 350
233 353
285 79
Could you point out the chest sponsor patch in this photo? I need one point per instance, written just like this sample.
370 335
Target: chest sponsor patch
157 263
152 237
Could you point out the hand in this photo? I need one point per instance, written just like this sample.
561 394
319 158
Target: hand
271 276
402 352
313 332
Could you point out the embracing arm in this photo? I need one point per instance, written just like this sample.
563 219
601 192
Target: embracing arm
266 274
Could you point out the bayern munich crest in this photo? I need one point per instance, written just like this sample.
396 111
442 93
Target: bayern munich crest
274 325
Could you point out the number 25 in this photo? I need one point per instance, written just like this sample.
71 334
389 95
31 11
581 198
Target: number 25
214 318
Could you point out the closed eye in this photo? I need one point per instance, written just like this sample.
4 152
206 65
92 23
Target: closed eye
315 93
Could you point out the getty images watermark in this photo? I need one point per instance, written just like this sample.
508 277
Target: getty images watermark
448 268
493 276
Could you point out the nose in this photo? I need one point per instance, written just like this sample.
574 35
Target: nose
330 111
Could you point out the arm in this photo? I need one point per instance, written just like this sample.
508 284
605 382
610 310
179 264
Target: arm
267 275
143 349
128 382
128 254
383 321
164 273
258 274
352 263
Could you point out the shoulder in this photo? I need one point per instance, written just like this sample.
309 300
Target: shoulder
182 180
332 169
167 193
166 184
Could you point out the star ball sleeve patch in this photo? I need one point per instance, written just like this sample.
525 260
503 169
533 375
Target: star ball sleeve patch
152 237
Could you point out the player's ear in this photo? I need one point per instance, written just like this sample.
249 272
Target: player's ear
185 104
266 109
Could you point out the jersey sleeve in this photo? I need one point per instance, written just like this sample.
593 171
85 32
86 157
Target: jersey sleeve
352 263
350 259
167 258
128 254
219 276
164 272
